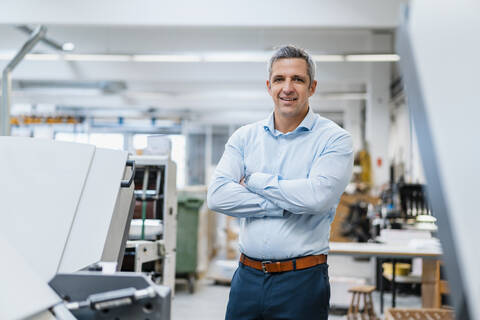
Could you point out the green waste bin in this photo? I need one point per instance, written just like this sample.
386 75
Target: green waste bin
187 235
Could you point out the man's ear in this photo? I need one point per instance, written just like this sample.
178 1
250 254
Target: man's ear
269 88
313 87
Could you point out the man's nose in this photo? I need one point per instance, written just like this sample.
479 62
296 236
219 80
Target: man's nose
287 87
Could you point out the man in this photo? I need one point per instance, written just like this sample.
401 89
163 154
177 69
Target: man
283 177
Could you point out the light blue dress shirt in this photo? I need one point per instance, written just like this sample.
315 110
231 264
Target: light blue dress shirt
294 183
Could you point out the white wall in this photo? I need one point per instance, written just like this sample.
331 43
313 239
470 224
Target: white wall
352 122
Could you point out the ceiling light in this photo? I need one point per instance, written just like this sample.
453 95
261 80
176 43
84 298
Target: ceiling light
328 58
68 46
98 57
372 57
6 56
166 58
208 57
237 57
42 57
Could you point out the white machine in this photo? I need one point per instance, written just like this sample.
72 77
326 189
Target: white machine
154 238
65 207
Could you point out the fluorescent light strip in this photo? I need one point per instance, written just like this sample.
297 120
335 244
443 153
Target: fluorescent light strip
165 58
198 58
32 56
232 57
6 56
372 57
42 57
328 57
98 57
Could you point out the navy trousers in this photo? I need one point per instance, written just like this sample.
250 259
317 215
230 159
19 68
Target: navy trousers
295 295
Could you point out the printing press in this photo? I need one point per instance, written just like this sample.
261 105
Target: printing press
66 212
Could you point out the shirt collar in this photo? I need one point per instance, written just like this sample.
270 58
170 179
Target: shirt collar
306 124
268 124
308 121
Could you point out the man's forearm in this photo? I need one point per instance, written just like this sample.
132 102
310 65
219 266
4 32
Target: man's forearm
233 199
298 196
315 195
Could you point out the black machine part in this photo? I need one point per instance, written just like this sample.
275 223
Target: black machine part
93 295
127 183
113 299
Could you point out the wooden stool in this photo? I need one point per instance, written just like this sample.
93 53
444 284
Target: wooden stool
354 309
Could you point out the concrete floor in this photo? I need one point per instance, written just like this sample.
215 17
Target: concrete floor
210 300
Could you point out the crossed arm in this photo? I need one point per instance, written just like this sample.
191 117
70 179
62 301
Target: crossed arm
226 194
269 195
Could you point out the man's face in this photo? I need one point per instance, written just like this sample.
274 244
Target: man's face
289 86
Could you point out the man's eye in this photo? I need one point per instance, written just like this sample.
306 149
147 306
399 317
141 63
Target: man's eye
299 80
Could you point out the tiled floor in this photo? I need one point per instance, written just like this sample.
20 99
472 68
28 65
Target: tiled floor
210 300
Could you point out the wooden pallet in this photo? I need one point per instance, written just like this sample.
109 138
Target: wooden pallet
419 314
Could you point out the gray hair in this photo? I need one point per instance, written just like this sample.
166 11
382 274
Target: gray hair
290 51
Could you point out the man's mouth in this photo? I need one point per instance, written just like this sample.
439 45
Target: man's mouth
288 99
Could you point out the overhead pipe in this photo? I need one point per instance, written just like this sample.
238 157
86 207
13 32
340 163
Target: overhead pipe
35 37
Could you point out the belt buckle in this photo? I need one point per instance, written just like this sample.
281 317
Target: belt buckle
264 263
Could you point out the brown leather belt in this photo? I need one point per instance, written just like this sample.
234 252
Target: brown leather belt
283 266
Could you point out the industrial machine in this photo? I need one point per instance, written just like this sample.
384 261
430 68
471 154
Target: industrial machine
153 231
66 211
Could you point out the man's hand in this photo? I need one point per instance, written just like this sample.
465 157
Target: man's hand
242 182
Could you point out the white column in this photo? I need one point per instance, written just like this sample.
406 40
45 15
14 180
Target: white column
352 122
378 112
